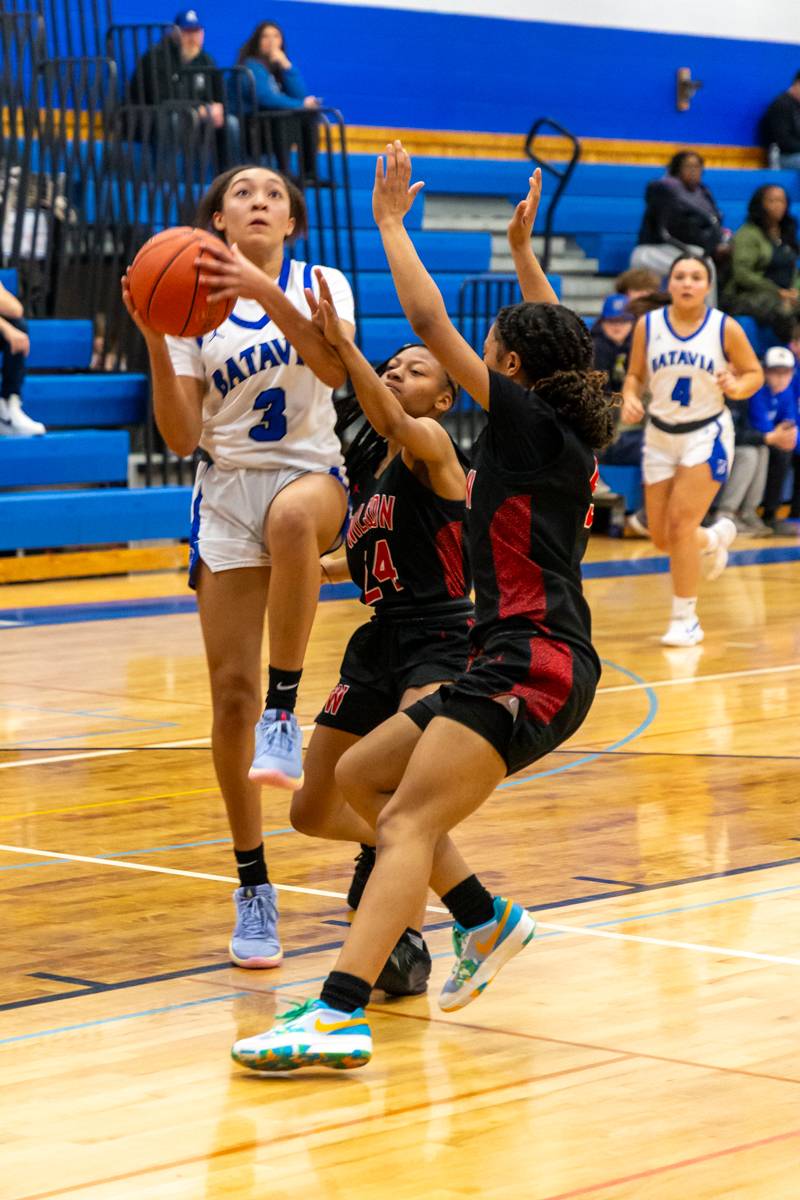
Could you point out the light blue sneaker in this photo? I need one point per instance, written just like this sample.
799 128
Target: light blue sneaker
278 759
311 1035
481 952
255 942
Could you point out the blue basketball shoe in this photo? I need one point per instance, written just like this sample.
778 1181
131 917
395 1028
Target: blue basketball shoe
481 952
311 1035
255 943
278 759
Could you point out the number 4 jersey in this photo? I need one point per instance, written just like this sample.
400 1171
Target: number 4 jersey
405 544
682 371
263 407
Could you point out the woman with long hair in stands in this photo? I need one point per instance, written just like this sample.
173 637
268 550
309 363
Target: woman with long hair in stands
270 497
689 357
533 670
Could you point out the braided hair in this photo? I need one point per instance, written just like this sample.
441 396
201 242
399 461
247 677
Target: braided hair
365 448
556 353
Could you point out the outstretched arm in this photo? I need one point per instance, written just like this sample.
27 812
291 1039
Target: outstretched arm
423 438
419 296
231 274
533 282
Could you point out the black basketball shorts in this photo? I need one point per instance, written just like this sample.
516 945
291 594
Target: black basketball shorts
384 658
553 682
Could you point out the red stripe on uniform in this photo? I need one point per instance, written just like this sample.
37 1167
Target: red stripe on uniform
519 580
547 688
449 547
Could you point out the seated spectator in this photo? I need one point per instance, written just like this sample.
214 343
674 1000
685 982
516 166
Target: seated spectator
14 347
766 425
161 77
637 282
281 88
611 336
680 216
774 409
764 281
780 126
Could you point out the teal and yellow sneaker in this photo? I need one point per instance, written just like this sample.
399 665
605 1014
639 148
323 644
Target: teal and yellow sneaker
311 1035
481 952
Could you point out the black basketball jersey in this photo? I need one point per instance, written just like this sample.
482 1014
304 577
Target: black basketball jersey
405 544
529 512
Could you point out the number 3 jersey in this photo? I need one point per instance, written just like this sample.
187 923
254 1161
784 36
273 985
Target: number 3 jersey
405 544
263 407
682 371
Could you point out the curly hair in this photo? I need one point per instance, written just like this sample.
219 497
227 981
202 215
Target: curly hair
556 352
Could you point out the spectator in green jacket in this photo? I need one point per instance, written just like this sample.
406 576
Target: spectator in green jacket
764 281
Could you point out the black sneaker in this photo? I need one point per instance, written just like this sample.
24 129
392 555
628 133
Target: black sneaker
408 968
365 861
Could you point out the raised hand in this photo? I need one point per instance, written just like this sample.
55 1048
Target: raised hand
393 193
521 225
324 314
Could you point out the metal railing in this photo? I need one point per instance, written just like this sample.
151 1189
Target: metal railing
563 176
479 298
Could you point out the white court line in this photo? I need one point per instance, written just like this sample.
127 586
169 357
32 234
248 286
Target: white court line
576 930
58 758
606 691
657 683
697 947
131 866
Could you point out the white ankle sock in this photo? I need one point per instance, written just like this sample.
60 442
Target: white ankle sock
712 539
683 608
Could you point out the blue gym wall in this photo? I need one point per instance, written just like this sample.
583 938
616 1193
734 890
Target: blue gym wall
429 70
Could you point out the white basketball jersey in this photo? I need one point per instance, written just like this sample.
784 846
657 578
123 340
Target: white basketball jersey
263 407
682 370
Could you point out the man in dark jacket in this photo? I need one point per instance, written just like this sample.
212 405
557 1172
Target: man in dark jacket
780 125
178 70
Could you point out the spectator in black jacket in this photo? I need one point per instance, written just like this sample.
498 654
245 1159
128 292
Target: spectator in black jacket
178 69
780 125
680 215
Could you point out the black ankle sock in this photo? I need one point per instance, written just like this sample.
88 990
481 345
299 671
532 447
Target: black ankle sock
470 903
282 688
251 866
345 992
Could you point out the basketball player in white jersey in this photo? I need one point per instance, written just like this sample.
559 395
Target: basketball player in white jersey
689 357
270 497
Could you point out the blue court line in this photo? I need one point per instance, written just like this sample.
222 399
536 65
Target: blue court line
149 850
301 983
158 606
652 709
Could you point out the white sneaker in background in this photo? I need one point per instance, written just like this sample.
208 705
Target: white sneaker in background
683 633
715 559
15 423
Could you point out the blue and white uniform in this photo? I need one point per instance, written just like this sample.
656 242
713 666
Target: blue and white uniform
267 420
688 422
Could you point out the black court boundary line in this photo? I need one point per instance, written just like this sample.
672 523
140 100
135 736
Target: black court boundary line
303 951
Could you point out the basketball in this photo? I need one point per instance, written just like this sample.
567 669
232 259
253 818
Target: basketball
165 284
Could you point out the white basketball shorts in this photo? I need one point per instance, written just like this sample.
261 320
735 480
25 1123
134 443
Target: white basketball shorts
663 453
229 513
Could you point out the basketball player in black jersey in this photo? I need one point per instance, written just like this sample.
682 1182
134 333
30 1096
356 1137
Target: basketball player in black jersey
405 550
533 670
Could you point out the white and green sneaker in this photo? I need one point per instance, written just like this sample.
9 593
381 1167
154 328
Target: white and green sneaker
481 952
310 1035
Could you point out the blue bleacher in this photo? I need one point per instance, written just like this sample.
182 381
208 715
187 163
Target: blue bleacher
83 399
92 516
58 345
88 456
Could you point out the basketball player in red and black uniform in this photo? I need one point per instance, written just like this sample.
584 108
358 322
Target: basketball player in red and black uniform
533 670
405 550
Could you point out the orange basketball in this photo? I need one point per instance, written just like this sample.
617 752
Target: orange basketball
165 284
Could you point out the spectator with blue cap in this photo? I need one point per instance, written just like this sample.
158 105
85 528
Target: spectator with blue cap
612 340
178 69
